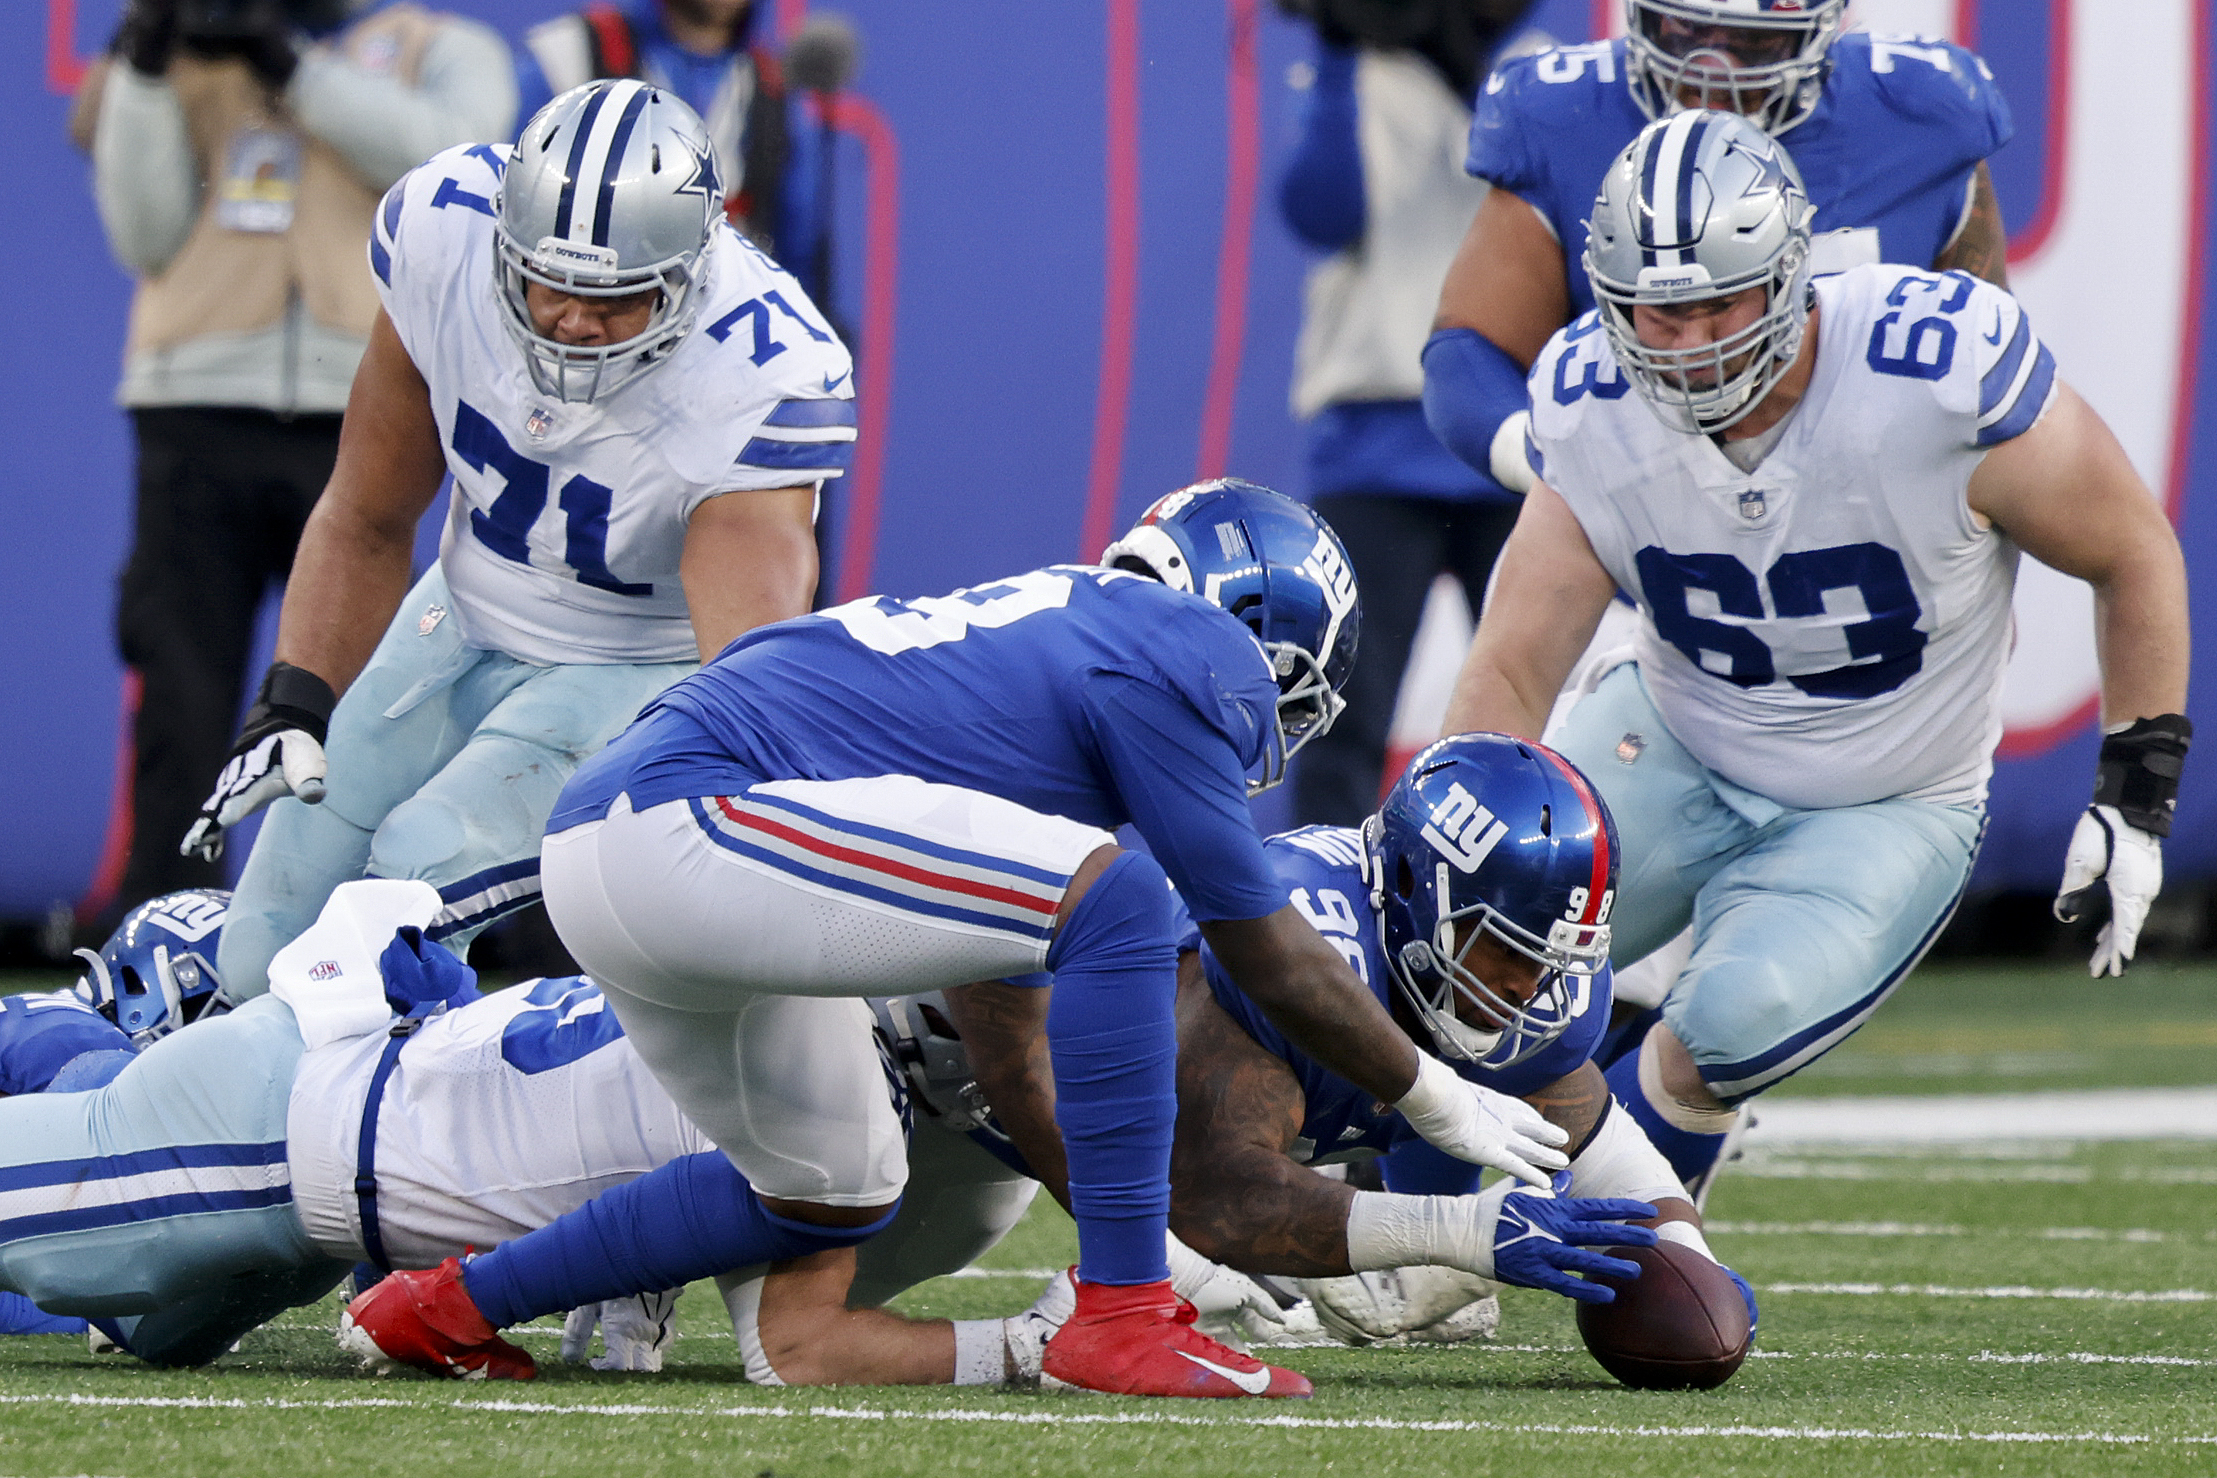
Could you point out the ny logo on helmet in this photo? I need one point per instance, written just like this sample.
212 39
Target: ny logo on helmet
1330 571
1463 831
187 915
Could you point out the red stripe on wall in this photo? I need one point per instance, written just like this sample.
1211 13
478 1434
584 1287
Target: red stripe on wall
1242 170
115 849
1120 292
881 270
2023 743
64 68
2057 142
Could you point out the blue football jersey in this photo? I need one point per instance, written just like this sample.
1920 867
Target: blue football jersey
41 1033
1889 149
1319 870
1090 694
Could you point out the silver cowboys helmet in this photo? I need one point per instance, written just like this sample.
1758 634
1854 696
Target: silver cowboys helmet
1764 58
611 191
1702 205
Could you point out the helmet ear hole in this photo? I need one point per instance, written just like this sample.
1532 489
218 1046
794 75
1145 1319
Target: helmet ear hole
131 982
938 1023
1404 878
1547 821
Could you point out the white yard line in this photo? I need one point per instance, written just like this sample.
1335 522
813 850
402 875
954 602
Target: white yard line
2105 1114
1033 1417
1934 1290
1920 1229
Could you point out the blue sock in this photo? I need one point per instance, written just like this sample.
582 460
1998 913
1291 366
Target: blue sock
1112 1024
693 1218
1416 1168
1621 1038
1691 1155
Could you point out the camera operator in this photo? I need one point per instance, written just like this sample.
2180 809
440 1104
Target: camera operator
239 151
1377 180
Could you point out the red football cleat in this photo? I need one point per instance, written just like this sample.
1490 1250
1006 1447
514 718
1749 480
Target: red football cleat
1140 1341
427 1320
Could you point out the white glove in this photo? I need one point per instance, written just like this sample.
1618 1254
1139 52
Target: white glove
288 762
1482 1126
1379 1305
2105 846
635 1332
1233 1307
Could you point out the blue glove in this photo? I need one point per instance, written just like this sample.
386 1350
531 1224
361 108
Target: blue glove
419 973
1540 1240
1753 1318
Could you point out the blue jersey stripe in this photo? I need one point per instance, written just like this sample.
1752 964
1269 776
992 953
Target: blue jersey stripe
2032 400
605 206
394 199
154 1208
139 1162
2004 373
796 414
491 877
797 456
380 260
939 850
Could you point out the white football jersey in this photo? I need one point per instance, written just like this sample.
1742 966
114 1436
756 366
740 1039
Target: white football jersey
1830 628
497 1119
567 521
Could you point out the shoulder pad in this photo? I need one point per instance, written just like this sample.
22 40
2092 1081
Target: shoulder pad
464 179
1577 367
1528 95
1971 341
1929 80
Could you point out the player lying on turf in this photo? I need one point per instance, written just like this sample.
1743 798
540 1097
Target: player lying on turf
1532 1030
223 1164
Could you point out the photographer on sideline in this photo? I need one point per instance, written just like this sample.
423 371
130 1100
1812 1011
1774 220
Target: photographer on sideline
239 150
1377 180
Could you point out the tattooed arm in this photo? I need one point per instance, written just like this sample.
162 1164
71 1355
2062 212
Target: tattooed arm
1236 1195
1981 245
1004 1029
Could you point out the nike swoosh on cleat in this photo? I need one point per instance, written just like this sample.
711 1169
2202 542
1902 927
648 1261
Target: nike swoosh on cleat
1253 1383
831 384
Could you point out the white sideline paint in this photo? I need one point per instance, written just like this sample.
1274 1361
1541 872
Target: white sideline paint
2103 1114
1030 1417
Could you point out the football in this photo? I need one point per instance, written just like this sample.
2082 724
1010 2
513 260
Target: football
1680 1325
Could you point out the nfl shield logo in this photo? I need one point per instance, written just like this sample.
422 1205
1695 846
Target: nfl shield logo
1752 505
536 424
429 621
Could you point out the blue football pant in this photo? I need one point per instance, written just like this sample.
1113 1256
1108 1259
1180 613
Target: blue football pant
163 1201
446 760
1804 920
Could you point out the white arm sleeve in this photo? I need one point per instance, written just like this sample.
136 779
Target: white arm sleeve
1619 1161
383 128
144 181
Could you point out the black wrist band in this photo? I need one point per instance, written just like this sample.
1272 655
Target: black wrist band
292 698
2139 770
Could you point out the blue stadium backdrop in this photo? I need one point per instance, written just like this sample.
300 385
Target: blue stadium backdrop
1070 292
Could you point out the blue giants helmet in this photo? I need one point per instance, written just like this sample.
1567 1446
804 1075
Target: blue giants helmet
1277 567
1497 836
158 970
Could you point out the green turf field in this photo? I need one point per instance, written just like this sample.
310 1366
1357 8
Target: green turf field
2026 1307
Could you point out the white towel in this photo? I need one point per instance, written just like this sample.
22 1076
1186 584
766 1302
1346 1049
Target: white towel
329 975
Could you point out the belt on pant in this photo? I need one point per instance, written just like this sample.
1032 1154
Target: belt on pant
365 1153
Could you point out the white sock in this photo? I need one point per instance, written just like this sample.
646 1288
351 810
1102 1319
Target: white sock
979 1352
